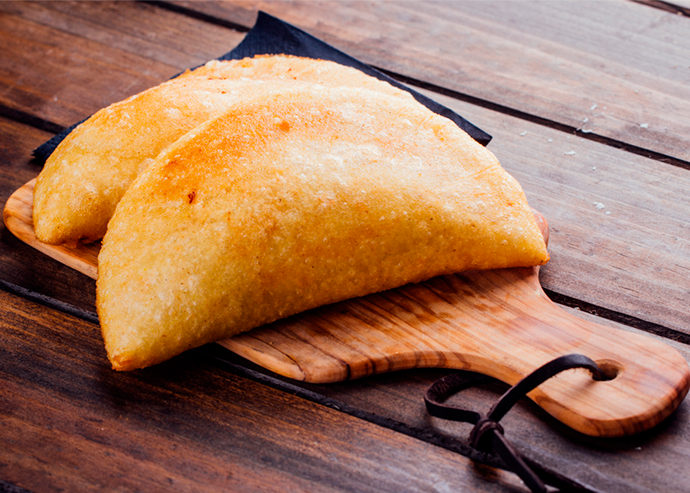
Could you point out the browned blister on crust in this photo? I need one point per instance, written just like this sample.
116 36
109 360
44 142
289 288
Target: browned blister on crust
293 200
89 172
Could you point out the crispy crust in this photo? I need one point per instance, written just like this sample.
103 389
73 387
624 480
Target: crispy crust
84 179
293 200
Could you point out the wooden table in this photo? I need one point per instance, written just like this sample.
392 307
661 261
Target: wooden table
588 105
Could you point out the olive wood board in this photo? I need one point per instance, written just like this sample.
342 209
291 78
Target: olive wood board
498 322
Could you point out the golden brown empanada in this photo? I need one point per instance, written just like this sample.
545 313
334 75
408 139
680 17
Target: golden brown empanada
293 200
84 179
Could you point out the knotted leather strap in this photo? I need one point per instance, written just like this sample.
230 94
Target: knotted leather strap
487 435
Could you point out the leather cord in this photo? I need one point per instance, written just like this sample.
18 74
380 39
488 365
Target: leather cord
487 436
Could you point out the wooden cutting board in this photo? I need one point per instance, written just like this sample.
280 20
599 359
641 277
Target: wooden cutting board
498 322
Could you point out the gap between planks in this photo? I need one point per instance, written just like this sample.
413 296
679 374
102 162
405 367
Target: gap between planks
29 120
619 317
672 7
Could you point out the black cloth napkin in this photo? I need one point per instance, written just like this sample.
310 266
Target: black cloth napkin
271 36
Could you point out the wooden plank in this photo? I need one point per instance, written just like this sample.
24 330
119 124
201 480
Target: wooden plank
144 30
617 69
52 50
69 423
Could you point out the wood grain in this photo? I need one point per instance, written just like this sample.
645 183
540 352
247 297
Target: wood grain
53 50
71 424
499 323
608 245
558 61
651 461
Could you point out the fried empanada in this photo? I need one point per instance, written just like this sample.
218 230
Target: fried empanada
293 200
84 179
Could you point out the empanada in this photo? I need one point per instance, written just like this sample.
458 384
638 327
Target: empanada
293 200
84 179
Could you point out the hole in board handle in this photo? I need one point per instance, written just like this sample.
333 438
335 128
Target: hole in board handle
609 369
